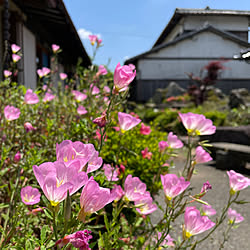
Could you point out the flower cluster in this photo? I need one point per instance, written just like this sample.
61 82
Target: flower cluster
135 190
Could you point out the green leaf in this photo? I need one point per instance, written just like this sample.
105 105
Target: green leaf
43 234
106 222
48 214
28 245
2 205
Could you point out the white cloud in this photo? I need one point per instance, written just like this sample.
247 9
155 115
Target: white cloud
84 34
126 58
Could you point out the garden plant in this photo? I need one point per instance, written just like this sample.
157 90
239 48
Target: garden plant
78 170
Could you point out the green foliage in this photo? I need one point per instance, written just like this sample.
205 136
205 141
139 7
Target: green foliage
126 149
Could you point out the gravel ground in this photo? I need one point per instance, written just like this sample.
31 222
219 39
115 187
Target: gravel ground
217 197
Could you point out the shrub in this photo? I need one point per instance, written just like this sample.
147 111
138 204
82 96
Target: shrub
126 150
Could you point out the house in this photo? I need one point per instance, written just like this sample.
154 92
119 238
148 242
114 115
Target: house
192 39
35 25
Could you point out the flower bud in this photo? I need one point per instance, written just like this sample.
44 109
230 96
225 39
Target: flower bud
17 157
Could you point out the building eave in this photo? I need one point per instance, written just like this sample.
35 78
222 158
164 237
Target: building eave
210 28
53 17
180 13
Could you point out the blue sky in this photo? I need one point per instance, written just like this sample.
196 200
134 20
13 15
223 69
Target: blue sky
131 27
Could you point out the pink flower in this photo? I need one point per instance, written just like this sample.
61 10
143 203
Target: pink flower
162 145
92 39
63 76
110 172
48 97
134 188
40 73
127 121
95 90
7 73
101 121
168 241
117 193
55 48
196 124
122 168
93 198
78 95
173 186
85 153
195 223
55 179
79 239
15 58
201 155
44 87
15 48
28 127
145 130
46 71
132 66
237 181
146 154
94 163
208 210
99 41
30 97
81 110
173 141
43 72
11 113
206 186
106 89
145 205
106 100
116 128
17 157
30 195
102 70
123 76
35 211
234 217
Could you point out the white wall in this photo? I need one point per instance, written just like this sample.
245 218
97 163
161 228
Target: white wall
233 23
203 45
29 57
228 23
178 29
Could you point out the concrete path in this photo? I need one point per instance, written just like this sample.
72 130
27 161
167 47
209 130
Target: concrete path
217 197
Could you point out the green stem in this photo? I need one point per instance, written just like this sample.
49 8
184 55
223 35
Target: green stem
188 161
225 235
10 208
54 223
222 217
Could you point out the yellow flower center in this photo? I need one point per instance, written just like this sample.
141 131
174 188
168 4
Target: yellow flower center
28 199
193 132
54 203
187 234
232 192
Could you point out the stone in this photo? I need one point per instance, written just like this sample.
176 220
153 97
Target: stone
239 97
158 96
173 89
239 135
216 91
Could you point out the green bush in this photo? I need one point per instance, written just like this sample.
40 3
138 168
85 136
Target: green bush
126 149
